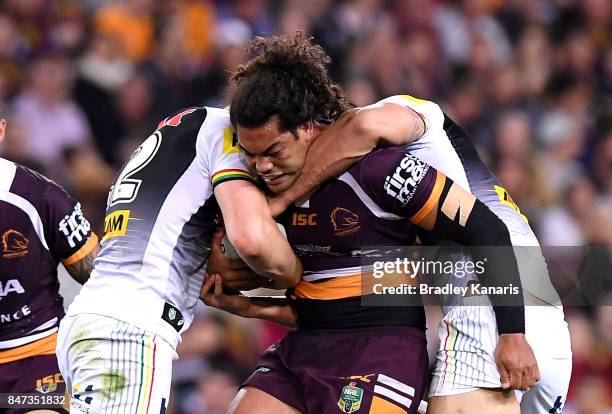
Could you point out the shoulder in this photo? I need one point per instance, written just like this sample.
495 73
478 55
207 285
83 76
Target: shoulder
33 186
40 197
208 124
392 172
429 111
379 161
218 138
184 119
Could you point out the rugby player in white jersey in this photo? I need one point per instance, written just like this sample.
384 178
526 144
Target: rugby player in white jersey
469 376
118 340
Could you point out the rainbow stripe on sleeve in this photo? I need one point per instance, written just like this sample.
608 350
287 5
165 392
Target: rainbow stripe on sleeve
222 176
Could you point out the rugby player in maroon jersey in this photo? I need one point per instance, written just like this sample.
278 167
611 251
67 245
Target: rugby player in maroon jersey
467 383
41 226
275 131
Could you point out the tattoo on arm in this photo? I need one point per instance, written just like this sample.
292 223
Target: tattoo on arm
81 270
418 125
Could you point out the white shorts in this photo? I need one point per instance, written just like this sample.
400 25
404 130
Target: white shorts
465 359
111 366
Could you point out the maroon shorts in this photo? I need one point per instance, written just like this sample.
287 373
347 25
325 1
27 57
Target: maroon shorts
379 370
37 375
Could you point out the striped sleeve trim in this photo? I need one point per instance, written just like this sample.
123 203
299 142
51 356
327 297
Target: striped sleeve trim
432 200
89 245
228 175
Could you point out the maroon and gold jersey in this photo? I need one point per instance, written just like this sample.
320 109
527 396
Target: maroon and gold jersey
334 231
350 223
40 226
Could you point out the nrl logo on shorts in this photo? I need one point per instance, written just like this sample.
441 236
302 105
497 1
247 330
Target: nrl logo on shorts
350 398
46 388
173 316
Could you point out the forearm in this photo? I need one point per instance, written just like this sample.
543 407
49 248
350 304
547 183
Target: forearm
490 244
273 258
255 235
336 148
350 138
81 270
276 310
494 247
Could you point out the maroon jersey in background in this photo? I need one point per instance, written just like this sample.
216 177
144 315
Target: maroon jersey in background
40 226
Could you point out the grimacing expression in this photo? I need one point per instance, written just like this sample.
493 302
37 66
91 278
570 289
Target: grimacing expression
276 155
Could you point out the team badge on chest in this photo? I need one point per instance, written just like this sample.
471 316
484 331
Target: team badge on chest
350 398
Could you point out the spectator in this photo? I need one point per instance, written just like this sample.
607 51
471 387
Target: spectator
132 22
51 120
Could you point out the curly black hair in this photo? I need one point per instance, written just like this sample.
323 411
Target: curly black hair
285 77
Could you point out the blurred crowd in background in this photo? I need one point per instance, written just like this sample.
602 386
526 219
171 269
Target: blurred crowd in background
82 83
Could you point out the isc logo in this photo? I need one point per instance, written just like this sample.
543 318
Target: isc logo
49 383
304 219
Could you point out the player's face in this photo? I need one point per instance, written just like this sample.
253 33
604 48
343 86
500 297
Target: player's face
2 128
276 155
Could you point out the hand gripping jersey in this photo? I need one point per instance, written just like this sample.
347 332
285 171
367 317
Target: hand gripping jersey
159 221
40 226
446 147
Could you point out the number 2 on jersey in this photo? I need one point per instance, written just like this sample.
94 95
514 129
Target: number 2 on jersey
125 189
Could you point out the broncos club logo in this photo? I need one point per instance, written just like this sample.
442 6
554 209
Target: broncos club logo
344 222
14 244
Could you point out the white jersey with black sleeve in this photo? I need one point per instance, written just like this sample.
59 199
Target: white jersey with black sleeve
159 222
468 332
446 147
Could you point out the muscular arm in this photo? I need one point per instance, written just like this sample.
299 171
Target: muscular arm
81 269
255 235
435 203
275 310
77 254
347 140
458 216
402 184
